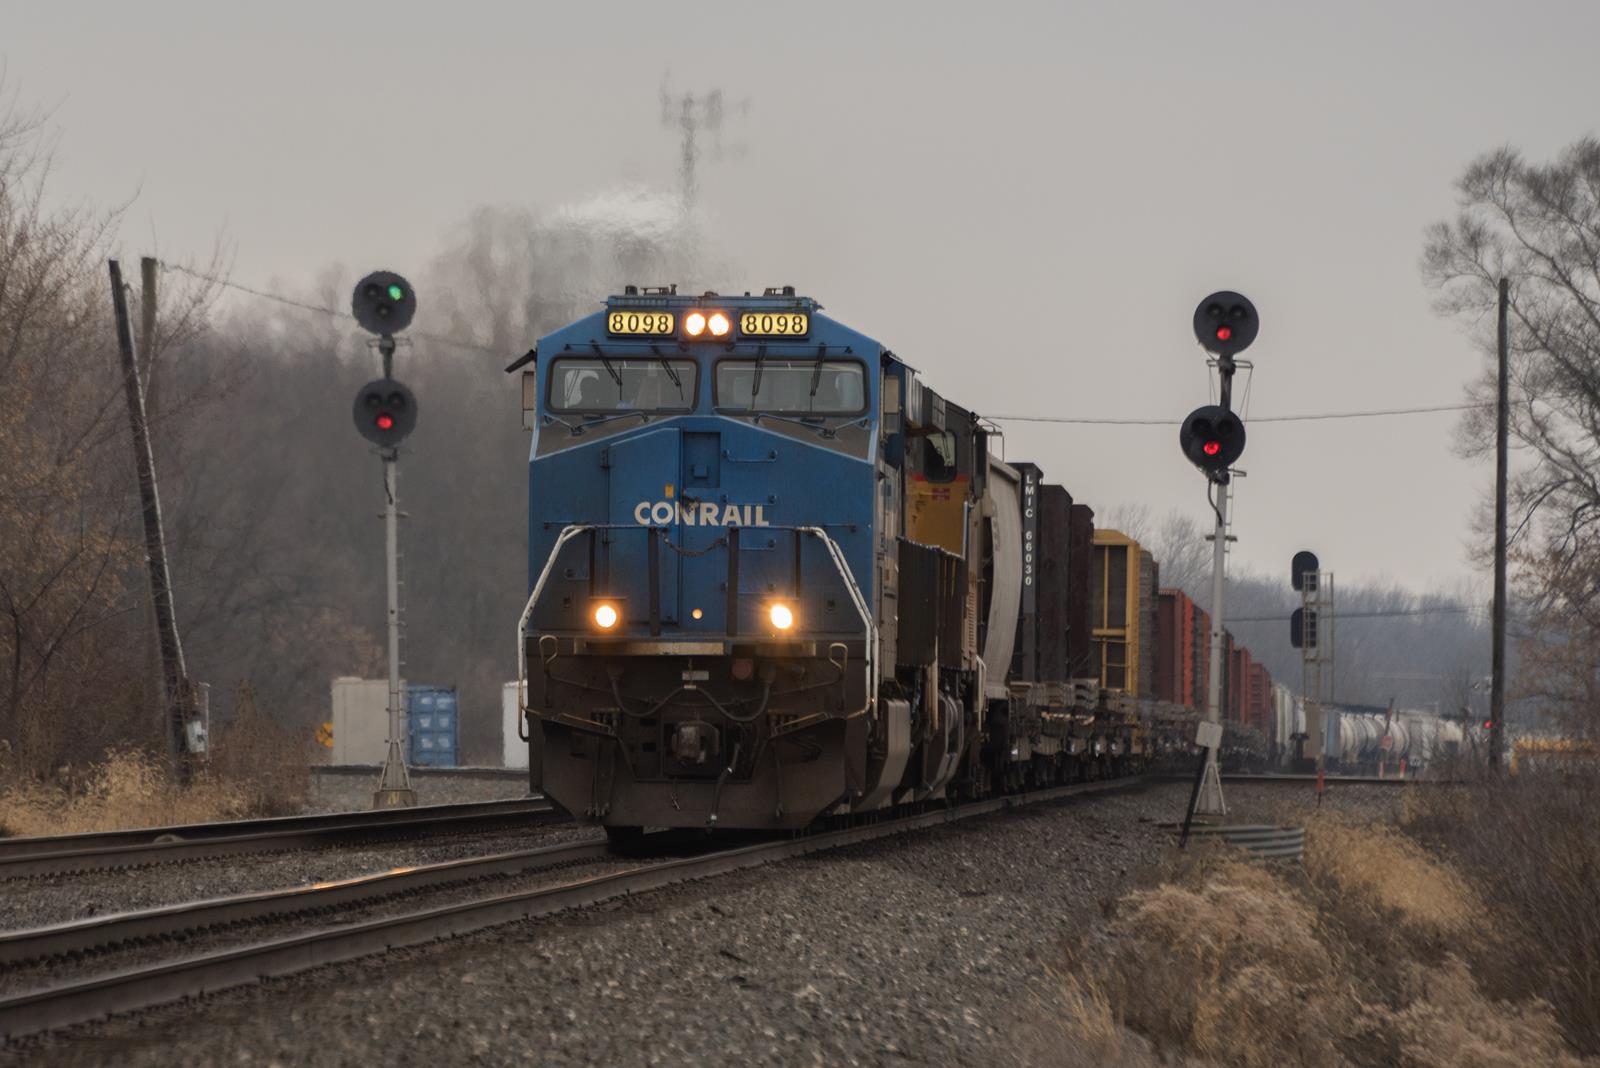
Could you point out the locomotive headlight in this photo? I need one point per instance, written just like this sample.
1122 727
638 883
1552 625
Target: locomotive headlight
694 324
782 618
606 615
719 324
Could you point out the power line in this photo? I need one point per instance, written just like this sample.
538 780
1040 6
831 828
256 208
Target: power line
1450 610
442 339
320 309
1256 419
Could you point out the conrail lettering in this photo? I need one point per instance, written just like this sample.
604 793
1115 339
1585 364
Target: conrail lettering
699 514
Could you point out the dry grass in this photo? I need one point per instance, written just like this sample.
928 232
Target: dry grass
259 770
1192 967
1531 846
1391 872
1453 1023
126 789
1345 962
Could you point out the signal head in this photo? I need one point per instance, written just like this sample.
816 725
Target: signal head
1304 563
1212 438
384 303
385 412
1225 323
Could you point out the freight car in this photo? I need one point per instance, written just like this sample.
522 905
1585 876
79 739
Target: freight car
1366 740
773 575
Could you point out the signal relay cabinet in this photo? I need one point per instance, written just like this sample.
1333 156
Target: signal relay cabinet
361 723
513 749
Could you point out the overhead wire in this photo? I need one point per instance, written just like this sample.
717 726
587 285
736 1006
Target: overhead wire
278 298
1305 417
443 339
1441 610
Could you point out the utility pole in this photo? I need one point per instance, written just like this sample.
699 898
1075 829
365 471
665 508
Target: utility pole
1497 693
1213 438
147 337
179 697
146 350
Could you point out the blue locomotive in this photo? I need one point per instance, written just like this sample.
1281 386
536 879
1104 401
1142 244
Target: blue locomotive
773 576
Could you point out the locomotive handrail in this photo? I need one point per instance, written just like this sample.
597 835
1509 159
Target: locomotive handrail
861 609
834 554
566 535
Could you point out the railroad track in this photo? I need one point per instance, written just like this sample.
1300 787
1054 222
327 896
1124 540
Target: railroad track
1328 780
422 772
59 854
82 1001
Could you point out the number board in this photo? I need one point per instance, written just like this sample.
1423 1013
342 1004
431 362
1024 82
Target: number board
774 324
645 323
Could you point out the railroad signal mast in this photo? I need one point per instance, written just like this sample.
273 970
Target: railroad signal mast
385 413
1311 631
1212 438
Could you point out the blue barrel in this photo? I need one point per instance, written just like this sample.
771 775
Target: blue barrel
435 725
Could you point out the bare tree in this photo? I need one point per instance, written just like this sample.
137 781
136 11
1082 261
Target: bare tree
72 584
64 552
1538 225
1175 539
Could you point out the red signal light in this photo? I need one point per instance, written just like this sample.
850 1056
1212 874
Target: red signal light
1211 448
1224 333
385 421
1488 724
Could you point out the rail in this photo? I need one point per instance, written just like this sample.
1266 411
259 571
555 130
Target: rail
99 932
1328 780
53 854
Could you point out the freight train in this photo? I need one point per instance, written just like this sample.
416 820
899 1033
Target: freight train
774 576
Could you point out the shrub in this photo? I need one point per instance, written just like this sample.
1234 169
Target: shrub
1531 846
1365 956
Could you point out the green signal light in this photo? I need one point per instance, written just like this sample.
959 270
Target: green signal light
397 293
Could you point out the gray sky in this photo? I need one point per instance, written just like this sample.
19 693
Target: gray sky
1024 201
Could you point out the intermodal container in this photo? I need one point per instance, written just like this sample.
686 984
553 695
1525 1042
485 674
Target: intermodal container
435 725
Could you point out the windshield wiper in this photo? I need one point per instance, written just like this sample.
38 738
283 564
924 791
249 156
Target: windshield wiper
667 367
816 372
755 385
616 376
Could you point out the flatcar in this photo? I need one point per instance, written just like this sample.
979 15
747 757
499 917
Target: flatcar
773 576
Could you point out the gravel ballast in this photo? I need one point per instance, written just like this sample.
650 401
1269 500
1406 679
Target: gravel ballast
347 791
927 949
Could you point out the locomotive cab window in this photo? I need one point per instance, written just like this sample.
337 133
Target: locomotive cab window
939 456
622 384
792 386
